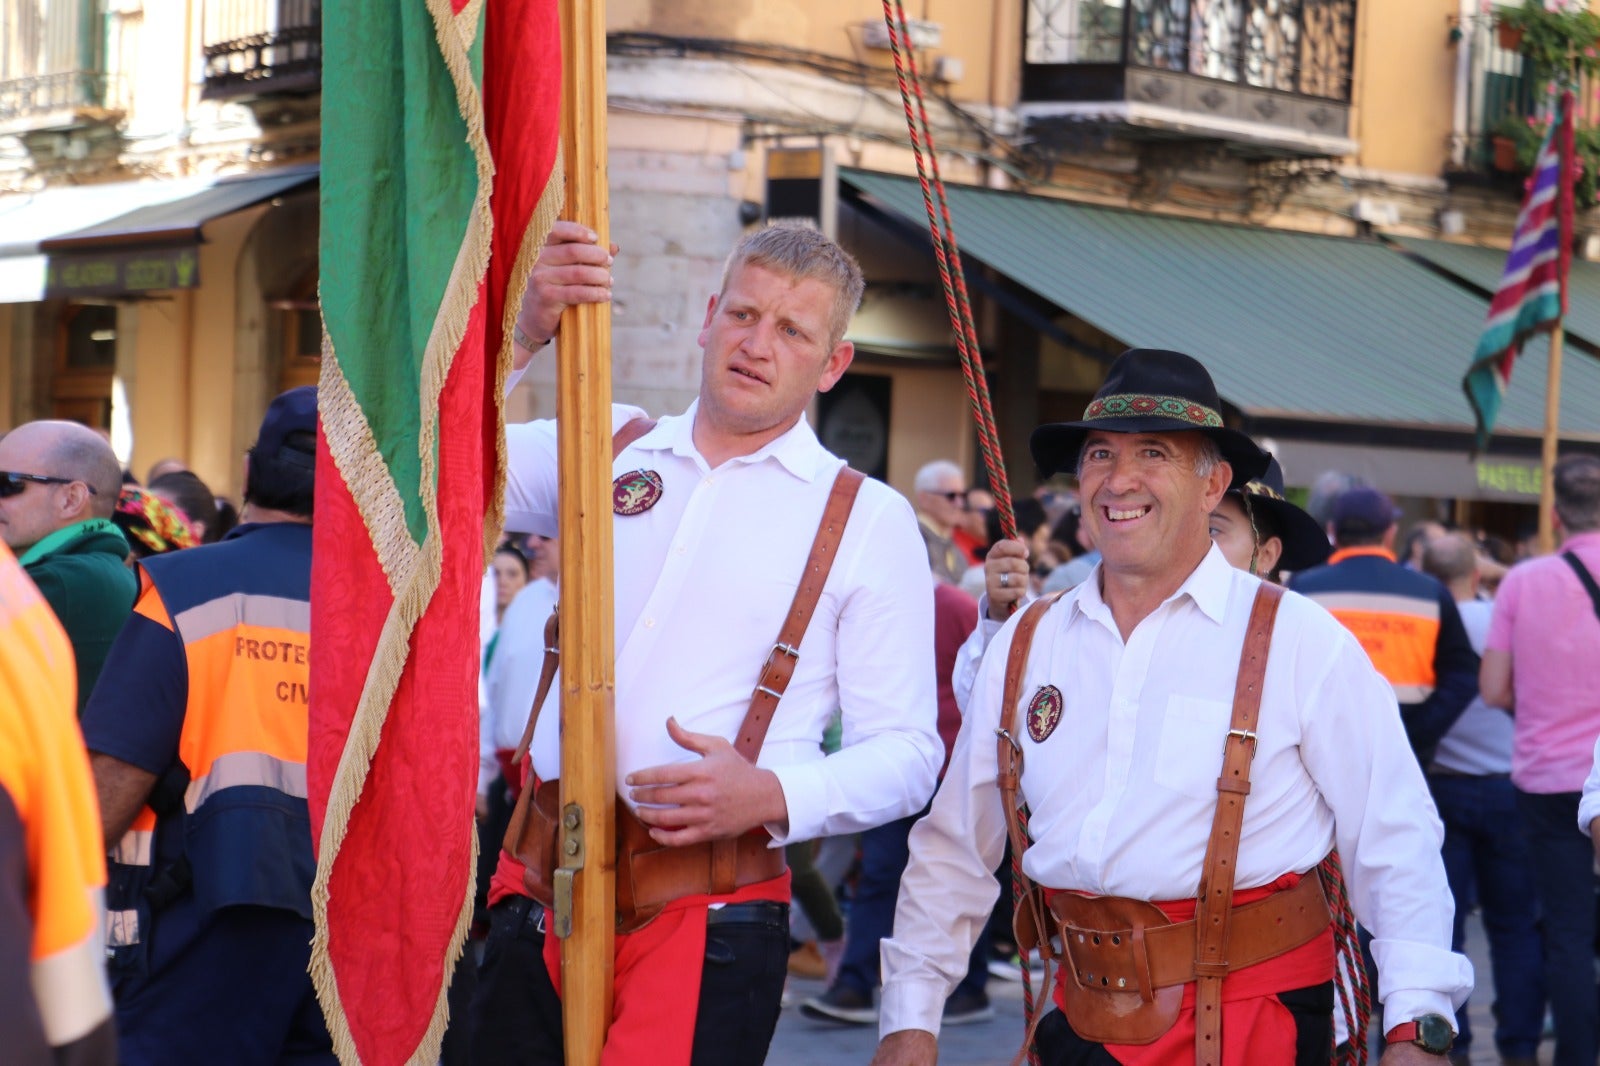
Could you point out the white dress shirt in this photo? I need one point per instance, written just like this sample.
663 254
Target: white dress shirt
1123 792
704 579
511 677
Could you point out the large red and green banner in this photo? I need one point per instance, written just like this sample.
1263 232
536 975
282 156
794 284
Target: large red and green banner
440 181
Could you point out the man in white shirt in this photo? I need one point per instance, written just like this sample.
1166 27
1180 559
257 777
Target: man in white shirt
717 509
1140 666
1486 853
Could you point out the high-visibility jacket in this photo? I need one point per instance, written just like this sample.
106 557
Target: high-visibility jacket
1410 627
228 824
53 994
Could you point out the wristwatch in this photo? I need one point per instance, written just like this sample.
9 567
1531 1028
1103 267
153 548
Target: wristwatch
1431 1032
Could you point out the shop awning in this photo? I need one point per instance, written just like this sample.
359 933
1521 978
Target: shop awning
120 238
1291 325
1481 268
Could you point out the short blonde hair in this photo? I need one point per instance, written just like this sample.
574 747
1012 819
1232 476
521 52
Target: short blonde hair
803 251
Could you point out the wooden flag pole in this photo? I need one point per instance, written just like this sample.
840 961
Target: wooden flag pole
1552 435
588 759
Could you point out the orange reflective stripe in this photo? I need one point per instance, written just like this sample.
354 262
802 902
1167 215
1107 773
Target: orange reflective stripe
247 768
238 610
1401 646
249 691
70 987
45 770
149 602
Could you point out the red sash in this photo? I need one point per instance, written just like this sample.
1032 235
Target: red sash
656 982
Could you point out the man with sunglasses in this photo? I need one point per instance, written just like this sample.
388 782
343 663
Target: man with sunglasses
58 487
941 502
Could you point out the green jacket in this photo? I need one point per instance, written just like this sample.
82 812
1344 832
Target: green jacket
82 574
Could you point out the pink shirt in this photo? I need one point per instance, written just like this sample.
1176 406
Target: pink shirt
1543 617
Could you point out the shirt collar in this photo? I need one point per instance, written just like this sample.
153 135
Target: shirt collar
797 450
1208 586
1365 549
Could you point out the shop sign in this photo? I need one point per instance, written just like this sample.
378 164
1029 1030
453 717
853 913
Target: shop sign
1515 479
118 273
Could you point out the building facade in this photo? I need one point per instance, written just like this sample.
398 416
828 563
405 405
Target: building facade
1301 192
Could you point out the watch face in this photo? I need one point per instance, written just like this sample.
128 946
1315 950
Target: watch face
1434 1033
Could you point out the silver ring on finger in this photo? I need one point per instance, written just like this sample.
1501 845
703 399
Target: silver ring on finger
1005 580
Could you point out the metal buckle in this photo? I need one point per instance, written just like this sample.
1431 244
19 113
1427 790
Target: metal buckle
1243 734
770 692
779 648
1005 734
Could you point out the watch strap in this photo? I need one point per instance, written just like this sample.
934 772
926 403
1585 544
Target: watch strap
1404 1033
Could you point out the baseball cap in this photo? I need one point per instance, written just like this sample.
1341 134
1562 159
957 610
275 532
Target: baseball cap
1364 510
294 411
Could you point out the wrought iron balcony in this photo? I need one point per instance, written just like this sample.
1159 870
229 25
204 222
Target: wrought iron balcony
52 73
1493 92
1267 77
257 48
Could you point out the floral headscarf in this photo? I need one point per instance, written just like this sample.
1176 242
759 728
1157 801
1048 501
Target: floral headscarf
151 525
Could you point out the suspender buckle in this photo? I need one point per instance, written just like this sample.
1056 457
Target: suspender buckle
1005 735
787 649
1243 734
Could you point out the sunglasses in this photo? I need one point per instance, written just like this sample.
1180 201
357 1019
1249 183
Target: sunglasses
12 483
954 497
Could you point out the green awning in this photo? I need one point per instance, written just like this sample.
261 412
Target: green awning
1482 267
1290 324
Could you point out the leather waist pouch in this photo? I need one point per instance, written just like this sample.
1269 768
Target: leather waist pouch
1126 964
649 875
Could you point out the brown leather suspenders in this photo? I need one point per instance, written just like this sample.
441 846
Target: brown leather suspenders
1215 908
649 875
1299 914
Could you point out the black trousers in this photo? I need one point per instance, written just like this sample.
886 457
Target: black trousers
516 1014
1311 1007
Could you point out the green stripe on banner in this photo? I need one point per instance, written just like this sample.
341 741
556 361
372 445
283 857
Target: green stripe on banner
394 216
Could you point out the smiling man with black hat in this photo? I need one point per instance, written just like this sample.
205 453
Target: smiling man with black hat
1191 743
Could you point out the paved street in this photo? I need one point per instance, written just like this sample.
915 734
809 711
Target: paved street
802 1042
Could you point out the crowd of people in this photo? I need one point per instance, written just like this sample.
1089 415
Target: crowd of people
1214 728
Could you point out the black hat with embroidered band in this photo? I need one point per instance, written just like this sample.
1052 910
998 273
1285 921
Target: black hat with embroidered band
1305 544
1149 390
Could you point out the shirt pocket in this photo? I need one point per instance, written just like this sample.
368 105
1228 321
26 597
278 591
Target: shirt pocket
1189 754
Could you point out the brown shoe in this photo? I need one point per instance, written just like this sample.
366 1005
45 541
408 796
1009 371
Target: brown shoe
806 962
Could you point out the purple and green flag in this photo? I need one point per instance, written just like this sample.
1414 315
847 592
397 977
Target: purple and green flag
1532 296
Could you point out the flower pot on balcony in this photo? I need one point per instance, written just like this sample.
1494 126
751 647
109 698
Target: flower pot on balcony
1510 37
1505 154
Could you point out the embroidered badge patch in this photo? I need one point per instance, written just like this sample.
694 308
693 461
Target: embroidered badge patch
635 492
1044 712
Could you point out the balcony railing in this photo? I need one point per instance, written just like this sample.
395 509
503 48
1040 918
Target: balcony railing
262 47
1273 63
1492 87
51 61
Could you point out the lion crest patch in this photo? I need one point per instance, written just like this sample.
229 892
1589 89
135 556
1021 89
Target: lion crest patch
635 492
1044 712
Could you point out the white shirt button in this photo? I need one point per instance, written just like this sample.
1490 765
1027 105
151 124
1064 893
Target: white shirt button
649 623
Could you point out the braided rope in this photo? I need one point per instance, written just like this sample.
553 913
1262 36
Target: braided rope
1355 1002
948 256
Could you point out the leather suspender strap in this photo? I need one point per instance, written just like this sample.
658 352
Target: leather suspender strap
1008 756
777 671
779 668
1215 905
1008 763
630 432
1585 578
